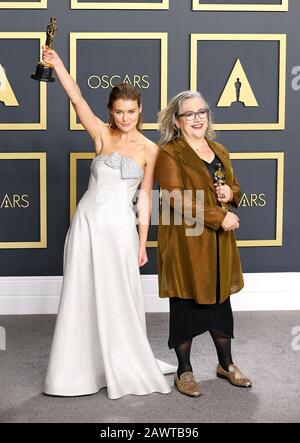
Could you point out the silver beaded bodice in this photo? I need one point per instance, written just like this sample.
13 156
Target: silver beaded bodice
128 167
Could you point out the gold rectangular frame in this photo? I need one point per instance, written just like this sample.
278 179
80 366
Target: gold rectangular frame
42 124
41 156
279 156
74 156
42 4
281 38
163 5
162 36
199 6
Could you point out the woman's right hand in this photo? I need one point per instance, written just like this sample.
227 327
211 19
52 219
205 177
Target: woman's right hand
230 222
50 56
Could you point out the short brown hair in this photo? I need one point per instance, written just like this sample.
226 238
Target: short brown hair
123 91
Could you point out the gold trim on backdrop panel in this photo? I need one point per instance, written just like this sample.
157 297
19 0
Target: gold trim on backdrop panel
200 5
281 38
41 156
279 156
163 4
162 36
41 4
42 124
151 244
74 156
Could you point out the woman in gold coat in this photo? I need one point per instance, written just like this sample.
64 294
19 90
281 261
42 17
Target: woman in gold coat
199 271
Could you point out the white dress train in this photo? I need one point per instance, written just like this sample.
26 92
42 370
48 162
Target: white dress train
100 337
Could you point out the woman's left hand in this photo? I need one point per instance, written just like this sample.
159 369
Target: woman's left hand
224 193
143 258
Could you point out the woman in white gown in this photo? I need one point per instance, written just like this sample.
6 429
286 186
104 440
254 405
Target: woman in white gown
100 335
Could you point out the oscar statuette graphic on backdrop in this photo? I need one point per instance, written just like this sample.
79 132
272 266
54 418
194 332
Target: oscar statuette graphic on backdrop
44 71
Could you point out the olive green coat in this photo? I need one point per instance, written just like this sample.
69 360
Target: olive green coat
187 265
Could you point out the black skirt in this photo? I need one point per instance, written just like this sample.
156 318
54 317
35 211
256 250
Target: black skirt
189 319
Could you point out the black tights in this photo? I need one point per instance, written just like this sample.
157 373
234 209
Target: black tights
223 348
183 353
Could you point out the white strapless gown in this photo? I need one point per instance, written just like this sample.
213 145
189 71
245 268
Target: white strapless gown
100 337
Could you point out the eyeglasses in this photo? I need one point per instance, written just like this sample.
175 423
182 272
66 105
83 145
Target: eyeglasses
191 115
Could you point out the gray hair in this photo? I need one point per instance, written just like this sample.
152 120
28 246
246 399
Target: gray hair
167 117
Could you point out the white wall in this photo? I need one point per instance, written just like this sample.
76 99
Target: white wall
40 295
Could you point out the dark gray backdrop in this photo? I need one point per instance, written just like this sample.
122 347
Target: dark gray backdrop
58 141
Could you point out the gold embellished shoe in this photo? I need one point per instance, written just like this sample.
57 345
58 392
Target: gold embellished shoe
187 385
234 375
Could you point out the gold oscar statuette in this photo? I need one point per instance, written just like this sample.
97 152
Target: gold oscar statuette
44 71
220 176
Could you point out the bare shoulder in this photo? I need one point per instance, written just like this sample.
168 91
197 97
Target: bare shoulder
149 148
